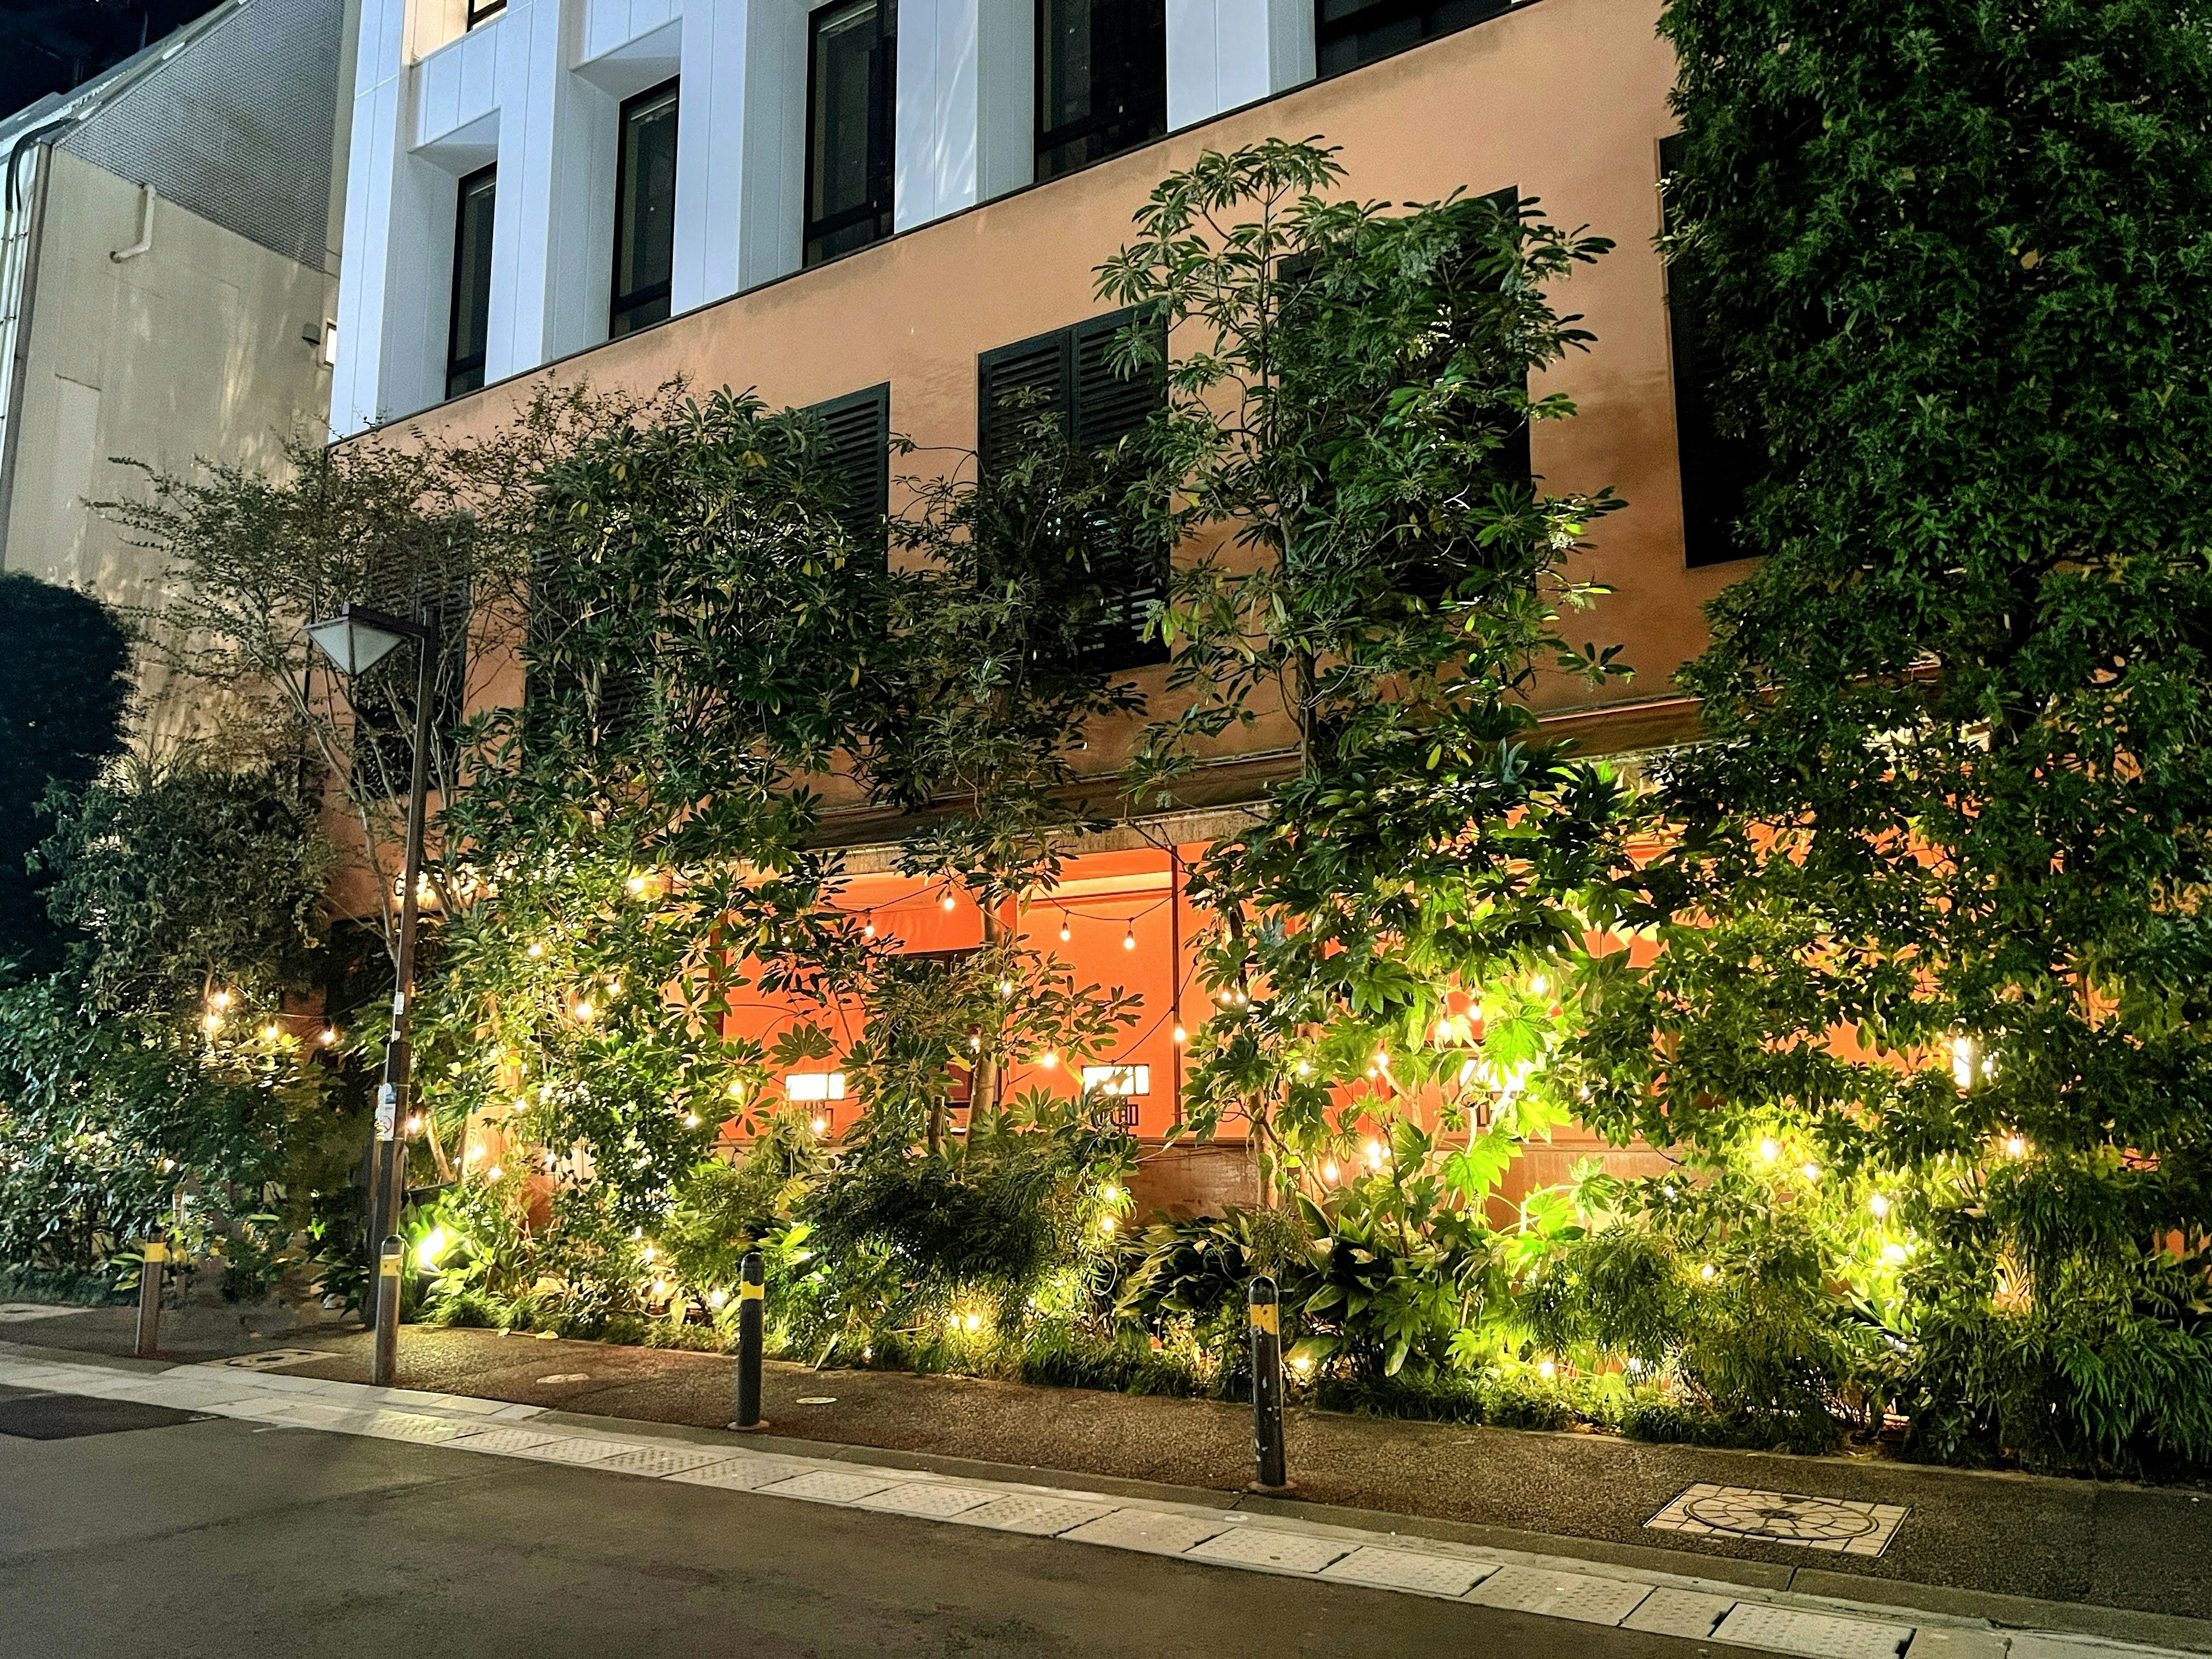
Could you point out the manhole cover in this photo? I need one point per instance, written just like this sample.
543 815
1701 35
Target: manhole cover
817 1400
70 1417
271 1359
1843 1525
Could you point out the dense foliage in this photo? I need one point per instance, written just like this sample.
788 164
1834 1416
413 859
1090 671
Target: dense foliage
65 699
1933 954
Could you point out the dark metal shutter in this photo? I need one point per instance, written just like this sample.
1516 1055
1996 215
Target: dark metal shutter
856 432
1513 458
1037 367
616 699
1108 406
1716 469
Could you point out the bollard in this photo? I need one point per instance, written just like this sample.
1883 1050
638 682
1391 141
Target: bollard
384 1363
149 1298
1267 1387
750 1306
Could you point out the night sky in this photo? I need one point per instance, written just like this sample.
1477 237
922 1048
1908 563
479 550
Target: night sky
51 46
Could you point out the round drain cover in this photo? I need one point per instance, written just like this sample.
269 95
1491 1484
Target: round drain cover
1778 1514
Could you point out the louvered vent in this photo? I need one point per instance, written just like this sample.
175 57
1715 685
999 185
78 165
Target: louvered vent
857 448
1109 406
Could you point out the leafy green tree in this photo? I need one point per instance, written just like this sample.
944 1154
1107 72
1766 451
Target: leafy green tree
1932 984
64 703
1349 410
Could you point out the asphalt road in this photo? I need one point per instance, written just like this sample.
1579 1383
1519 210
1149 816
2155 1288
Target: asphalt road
174 1536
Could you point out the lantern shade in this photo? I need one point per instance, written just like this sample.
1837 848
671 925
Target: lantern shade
352 641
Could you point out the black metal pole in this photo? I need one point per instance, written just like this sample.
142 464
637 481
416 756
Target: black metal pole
389 1261
392 1098
750 1306
1267 1387
150 1268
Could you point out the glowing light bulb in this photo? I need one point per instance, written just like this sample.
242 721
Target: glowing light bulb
737 1090
551 1161
1768 1150
415 1123
948 901
1709 1272
1178 1036
534 951
1306 1069
1066 931
1048 1060
1540 985
1110 1193
972 1322
1005 988
1879 1205
715 1298
868 931
211 1022
1302 1363
1893 1254
221 999
432 1247
1548 1370
1811 1172
976 1043
270 1033
690 1119
328 1038
2015 1146
820 1126
583 1011
635 884
1105 1224
1129 939
1330 1173
1374 1154
475 1152
494 1173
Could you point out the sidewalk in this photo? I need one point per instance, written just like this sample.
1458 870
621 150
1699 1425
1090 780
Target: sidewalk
2125 1562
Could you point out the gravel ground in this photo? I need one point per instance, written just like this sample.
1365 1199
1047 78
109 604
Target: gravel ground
2110 1545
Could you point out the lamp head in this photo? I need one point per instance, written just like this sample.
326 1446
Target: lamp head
358 638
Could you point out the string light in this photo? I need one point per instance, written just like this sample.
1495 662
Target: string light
1879 1205
949 900
1548 1370
494 1173
1005 988
534 951
1768 1150
635 884
270 1032
220 1000
582 1011
1106 1223
737 1090
1374 1154
1330 1173
1812 1172
2015 1146
413 1123
820 1126
1129 939
1709 1272
1048 1060
211 1022
868 931
330 1036
1066 933
690 1119
1178 1037
1304 1069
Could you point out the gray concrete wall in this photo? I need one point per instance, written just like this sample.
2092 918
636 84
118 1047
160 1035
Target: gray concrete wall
197 350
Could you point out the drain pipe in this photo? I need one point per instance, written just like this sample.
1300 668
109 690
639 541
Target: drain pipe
27 284
146 200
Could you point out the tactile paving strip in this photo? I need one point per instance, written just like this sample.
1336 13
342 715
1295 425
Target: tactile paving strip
507 1443
741 1474
654 1462
931 1500
413 1426
1559 1594
1814 1635
1018 1512
1408 1569
1266 1546
1159 1531
1668 1612
829 1486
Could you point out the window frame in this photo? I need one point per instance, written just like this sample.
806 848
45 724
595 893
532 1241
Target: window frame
620 305
882 135
481 12
1046 141
1379 12
458 368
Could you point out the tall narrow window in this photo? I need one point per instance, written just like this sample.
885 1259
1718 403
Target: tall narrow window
852 80
470 329
1102 80
645 211
1716 467
1350 32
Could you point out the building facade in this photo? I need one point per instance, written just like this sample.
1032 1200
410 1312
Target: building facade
885 209
168 277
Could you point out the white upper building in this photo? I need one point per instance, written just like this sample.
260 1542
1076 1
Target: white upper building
532 178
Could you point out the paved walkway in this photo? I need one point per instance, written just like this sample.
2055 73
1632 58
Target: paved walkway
1227 1537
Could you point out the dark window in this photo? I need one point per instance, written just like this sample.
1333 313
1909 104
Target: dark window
852 81
1350 32
483 11
1717 468
1069 374
1102 80
470 325
645 211
856 431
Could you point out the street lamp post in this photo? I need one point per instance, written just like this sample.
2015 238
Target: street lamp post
354 640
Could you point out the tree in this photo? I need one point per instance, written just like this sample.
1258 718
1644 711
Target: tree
1348 415
1932 984
64 703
